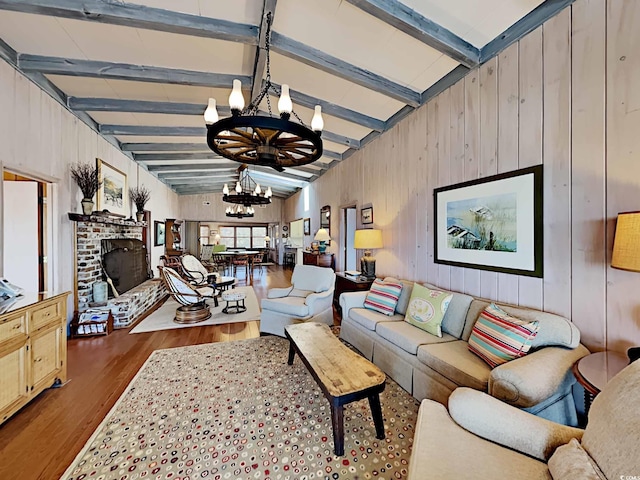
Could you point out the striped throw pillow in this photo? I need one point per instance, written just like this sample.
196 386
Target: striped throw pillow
383 296
497 337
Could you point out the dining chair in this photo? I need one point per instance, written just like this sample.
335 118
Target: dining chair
257 260
240 260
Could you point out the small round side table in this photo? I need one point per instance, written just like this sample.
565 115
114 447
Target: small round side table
595 370
230 296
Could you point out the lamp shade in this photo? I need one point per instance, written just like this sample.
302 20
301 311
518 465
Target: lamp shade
626 243
368 239
322 236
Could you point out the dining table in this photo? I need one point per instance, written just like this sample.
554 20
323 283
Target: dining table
236 253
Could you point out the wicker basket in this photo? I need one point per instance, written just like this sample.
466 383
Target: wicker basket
95 321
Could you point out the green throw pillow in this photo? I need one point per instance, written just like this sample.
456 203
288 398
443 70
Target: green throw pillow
427 308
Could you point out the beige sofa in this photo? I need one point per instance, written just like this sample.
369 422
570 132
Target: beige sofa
431 367
469 441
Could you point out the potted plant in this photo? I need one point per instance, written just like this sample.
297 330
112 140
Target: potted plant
139 196
87 177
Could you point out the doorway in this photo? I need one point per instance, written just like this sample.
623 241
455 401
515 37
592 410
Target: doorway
350 223
24 206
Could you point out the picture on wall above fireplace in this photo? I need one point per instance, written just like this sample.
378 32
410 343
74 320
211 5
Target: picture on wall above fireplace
113 192
493 223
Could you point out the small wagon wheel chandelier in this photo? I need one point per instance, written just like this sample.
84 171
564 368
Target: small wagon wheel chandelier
247 192
249 137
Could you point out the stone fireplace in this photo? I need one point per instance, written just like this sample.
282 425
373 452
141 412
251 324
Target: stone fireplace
92 232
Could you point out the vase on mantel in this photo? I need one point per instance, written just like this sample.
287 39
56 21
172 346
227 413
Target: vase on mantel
140 216
87 206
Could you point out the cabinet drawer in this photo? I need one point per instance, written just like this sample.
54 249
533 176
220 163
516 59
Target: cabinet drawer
12 327
44 316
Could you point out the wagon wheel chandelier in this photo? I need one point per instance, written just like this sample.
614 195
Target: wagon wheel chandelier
248 137
247 192
239 211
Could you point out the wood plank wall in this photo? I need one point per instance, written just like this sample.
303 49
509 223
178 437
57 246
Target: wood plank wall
566 95
39 138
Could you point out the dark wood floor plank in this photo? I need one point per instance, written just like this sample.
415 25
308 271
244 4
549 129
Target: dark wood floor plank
42 439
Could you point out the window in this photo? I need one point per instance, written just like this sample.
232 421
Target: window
243 237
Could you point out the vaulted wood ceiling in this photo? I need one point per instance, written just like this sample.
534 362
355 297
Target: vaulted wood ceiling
140 73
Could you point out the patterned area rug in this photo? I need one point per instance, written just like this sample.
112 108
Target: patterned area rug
236 410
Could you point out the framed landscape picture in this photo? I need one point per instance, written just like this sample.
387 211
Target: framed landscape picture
113 194
307 226
493 223
158 230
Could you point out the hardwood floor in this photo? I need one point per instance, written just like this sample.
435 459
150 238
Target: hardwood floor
43 438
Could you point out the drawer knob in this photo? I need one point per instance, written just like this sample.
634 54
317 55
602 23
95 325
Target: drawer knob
17 327
39 359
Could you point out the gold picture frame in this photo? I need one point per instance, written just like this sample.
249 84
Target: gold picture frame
113 194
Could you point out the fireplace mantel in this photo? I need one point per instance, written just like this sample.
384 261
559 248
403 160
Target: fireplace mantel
77 217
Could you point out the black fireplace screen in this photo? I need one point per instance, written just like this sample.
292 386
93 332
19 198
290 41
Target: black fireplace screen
125 262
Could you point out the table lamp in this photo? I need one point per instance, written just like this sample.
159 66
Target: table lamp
216 239
367 240
322 236
626 253
267 239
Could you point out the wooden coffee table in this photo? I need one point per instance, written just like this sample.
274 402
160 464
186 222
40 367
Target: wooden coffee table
342 375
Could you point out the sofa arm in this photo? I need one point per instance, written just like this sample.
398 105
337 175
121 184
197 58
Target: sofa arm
503 424
318 302
279 292
349 300
529 380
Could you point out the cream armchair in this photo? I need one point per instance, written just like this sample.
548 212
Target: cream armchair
483 438
308 299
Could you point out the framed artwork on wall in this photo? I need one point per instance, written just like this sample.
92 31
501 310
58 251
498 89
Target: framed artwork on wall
366 215
113 193
307 226
158 233
492 223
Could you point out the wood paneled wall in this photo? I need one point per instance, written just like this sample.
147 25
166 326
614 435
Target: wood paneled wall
39 138
210 207
566 95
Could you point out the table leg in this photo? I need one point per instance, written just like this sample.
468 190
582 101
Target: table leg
292 352
588 399
376 413
337 420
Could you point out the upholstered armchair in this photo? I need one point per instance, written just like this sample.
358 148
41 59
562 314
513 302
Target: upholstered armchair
483 438
308 299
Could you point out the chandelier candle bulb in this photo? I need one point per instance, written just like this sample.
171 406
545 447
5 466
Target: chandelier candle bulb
225 189
258 189
268 193
211 114
238 187
285 106
236 100
317 123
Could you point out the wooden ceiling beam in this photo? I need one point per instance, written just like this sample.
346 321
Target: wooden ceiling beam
334 110
153 131
268 6
327 63
138 16
123 71
421 28
165 147
140 106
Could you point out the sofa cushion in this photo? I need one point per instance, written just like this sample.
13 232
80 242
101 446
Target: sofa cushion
454 361
288 305
408 337
456 316
405 295
497 337
571 462
369 319
553 330
383 296
427 308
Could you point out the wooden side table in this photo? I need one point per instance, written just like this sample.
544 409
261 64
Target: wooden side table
348 283
595 370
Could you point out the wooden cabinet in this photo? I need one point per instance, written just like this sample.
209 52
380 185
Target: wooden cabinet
318 259
348 283
172 237
33 349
